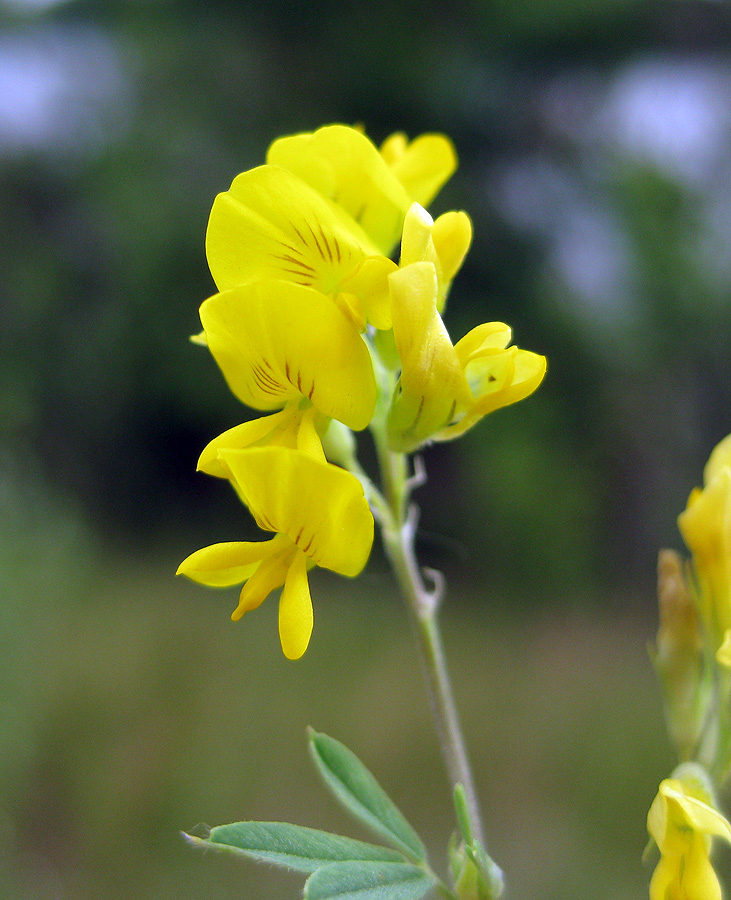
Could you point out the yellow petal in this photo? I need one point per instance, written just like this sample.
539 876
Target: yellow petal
719 459
706 522
443 243
393 148
421 166
688 811
432 385
291 427
683 806
276 341
368 282
308 436
706 528
295 609
497 378
699 880
487 337
665 875
343 165
686 875
320 507
222 565
277 428
530 369
452 236
416 240
526 371
270 224
723 654
270 574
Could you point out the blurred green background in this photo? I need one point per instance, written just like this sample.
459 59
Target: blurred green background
595 160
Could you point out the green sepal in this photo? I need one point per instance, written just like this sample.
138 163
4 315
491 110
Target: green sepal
462 813
490 878
339 444
475 875
386 347
360 793
293 846
455 856
369 881
650 847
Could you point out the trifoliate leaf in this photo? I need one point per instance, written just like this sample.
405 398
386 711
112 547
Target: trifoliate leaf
360 793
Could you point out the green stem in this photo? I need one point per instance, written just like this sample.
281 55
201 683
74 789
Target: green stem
423 603
722 767
398 526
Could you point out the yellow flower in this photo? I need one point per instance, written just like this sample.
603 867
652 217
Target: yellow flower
326 211
444 243
271 224
375 189
444 389
320 517
422 165
706 528
683 821
279 344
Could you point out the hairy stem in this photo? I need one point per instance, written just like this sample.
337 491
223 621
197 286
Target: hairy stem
423 603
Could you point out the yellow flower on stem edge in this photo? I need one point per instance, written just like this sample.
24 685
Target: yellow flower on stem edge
723 654
320 517
706 528
683 821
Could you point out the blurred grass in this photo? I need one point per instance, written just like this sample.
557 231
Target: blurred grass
133 708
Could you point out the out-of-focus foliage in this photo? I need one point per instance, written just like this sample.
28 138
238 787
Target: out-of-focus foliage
132 708
595 161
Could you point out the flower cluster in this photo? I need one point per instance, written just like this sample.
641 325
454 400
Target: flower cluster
693 659
317 326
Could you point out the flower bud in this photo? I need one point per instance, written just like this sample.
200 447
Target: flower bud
678 655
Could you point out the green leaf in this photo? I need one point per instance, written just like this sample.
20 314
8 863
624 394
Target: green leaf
299 848
369 881
359 792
